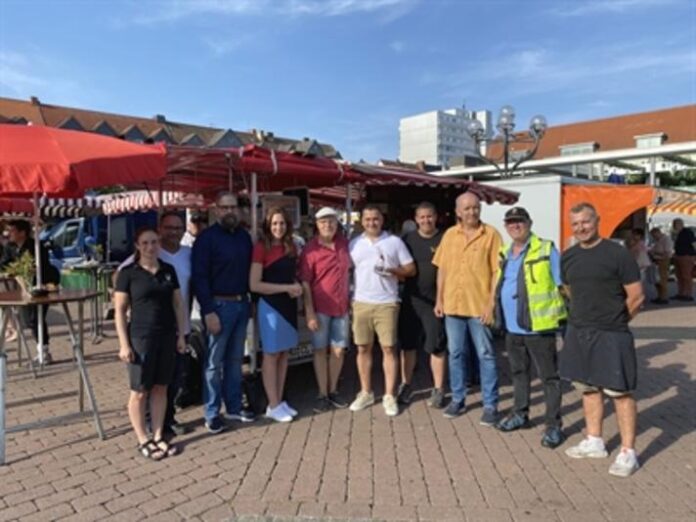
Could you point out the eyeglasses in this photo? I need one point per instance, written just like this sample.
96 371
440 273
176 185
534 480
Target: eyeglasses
173 228
515 222
227 207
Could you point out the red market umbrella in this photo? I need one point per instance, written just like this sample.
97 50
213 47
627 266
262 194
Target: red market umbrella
43 160
37 160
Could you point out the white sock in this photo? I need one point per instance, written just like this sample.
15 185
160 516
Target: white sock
592 438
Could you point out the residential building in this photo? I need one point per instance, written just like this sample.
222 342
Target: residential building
152 130
439 137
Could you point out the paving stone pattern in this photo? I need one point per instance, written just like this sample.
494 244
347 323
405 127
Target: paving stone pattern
345 466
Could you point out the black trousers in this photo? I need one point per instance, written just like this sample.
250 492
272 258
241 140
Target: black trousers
29 316
541 349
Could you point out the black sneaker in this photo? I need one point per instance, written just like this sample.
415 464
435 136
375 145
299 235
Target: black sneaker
513 422
553 437
322 405
437 399
242 416
659 301
405 394
489 417
178 429
337 402
214 425
454 409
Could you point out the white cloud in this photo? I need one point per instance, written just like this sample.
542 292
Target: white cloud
397 46
593 69
223 46
595 7
174 11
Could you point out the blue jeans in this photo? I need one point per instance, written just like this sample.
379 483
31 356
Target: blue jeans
222 371
482 339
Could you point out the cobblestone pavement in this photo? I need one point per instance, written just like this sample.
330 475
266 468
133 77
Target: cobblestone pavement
345 466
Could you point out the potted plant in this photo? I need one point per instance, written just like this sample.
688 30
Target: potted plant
23 270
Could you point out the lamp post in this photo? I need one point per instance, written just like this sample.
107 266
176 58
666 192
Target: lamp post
505 137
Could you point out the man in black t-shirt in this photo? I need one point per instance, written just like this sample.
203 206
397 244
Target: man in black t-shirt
603 281
417 322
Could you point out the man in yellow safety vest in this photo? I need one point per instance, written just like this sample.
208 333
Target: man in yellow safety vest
531 310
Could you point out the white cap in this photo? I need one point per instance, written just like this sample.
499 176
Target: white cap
325 212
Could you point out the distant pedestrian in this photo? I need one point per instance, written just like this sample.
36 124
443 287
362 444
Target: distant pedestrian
380 260
197 224
419 329
639 249
531 311
149 340
325 272
221 261
603 281
684 257
274 277
467 262
661 254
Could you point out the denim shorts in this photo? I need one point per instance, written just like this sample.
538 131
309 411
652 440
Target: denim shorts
333 331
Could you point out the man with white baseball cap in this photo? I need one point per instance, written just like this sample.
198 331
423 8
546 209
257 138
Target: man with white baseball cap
324 272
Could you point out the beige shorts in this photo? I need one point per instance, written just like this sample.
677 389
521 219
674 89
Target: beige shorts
369 319
588 388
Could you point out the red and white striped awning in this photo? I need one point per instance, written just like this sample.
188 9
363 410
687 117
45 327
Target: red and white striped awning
50 207
144 200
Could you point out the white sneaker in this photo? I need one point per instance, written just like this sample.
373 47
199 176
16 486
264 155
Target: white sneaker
588 448
278 414
292 411
362 401
391 408
625 465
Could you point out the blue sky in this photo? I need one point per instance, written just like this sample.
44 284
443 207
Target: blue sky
345 71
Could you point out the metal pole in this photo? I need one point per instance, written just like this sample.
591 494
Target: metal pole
506 152
39 281
3 380
108 238
653 168
349 209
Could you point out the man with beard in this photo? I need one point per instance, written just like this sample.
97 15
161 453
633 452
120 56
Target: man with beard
220 275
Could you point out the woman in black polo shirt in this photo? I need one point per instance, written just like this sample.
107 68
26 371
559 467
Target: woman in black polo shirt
150 288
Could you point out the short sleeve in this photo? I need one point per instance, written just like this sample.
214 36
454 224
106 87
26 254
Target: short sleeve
172 274
403 253
440 255
629 272
556 266
304 269
564 267
259 253
123 281
496 243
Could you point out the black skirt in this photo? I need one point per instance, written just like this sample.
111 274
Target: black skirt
600 358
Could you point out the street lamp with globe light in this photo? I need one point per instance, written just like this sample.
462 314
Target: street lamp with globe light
506 136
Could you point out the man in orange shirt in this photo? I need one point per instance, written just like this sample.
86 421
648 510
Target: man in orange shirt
467 261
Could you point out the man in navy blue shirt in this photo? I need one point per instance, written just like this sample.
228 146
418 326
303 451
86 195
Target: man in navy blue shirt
221 261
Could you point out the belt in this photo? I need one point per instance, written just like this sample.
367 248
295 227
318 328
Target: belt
232 297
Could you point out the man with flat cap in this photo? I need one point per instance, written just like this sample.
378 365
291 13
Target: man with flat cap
530 308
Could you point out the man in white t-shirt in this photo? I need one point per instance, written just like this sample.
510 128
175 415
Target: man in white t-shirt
380 260
171 230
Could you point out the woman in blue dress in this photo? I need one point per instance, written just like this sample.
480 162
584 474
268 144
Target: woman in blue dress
274 277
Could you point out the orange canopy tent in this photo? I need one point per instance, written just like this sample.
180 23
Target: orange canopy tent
614 203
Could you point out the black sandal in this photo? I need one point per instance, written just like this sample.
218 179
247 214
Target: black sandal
150 450
169 450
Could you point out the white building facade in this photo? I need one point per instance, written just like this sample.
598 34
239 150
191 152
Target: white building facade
436 137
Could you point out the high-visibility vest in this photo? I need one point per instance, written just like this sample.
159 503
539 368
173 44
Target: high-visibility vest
540 306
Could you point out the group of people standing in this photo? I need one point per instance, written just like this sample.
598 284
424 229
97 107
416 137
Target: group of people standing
441 291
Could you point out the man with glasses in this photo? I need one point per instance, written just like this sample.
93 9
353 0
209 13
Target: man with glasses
221 264
530 310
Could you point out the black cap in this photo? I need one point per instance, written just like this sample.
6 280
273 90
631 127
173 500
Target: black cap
517 214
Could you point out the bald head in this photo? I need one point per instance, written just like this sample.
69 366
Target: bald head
468 210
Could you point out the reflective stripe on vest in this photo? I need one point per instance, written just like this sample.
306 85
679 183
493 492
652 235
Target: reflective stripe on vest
546 306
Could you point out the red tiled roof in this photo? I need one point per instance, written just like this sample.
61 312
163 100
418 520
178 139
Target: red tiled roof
677 123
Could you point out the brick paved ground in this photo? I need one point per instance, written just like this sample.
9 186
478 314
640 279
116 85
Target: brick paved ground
344 466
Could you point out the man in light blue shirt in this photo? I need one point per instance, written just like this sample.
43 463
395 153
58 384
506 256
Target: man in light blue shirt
531 310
